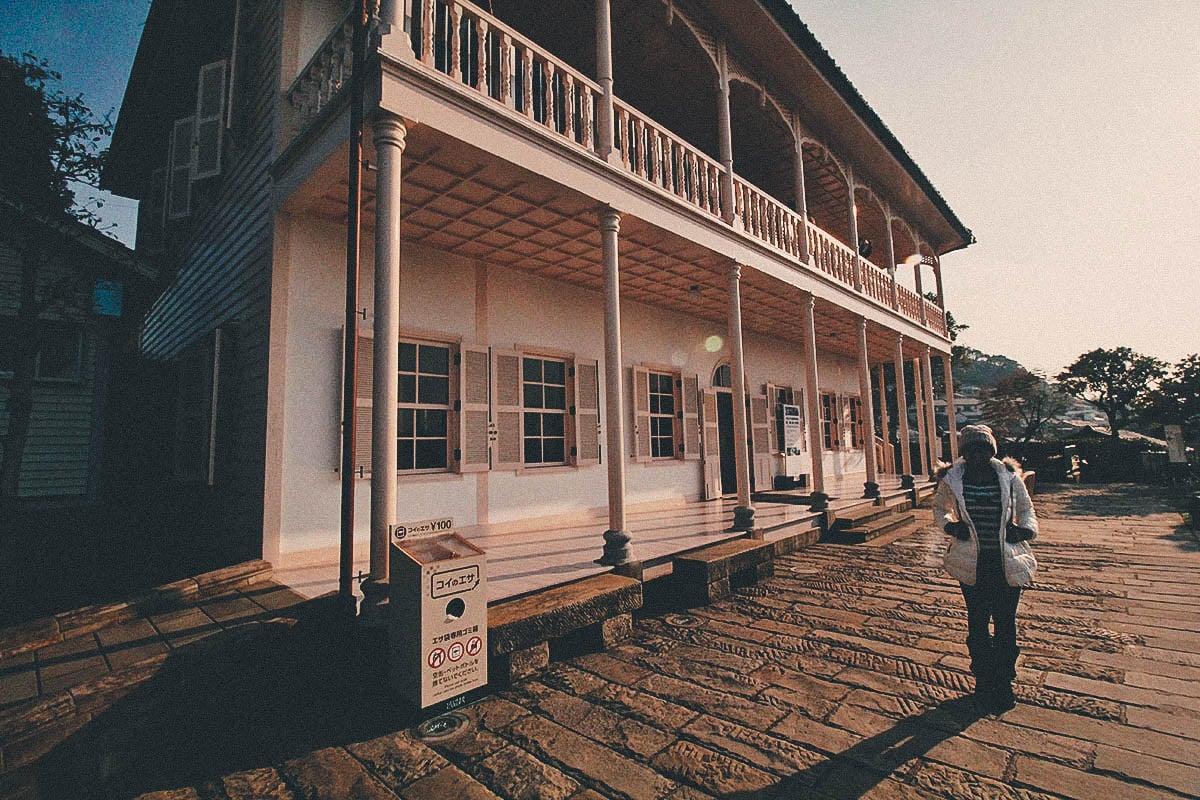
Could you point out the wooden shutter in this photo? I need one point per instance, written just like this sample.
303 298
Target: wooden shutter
506 410
641 414
712 444
179 161
798 396
772 392
586 412
689 416
473 388
760 443
844 416
364 380
210 120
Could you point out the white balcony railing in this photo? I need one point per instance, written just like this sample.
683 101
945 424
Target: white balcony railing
502 67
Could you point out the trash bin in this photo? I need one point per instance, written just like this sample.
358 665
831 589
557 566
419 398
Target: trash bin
437 633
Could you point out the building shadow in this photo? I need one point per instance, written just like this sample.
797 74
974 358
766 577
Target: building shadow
253 695
857 771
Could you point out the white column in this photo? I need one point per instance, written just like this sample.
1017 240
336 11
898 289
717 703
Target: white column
389 133
935 441
604 76
884 427
891 254
616 538
858 261
951 422
937 277
812 397
799 192
920 291
725 139
743 514
867 412
906 477
919 407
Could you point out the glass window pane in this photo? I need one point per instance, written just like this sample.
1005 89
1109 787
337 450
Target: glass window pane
408 357
667 404
408 389
533 395
552 450
405 420
435 359
533 424
433 390
556 397
431 422
404 456
532 369
431 454
533 451
552 424
556 372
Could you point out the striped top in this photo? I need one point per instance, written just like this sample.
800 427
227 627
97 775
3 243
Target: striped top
983 506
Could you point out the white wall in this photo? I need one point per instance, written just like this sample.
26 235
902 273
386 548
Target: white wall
439 293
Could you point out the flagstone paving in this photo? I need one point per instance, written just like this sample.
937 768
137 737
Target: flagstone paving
844 676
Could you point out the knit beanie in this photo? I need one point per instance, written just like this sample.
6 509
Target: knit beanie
977 434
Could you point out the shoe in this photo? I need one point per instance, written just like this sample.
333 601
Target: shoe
1003 699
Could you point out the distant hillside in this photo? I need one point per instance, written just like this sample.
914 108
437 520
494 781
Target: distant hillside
975 368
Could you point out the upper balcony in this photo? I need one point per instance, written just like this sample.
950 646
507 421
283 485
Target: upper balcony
814 207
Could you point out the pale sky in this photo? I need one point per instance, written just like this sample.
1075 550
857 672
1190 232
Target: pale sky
1066 135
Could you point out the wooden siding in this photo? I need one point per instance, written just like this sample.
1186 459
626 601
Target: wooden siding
58 451
222 266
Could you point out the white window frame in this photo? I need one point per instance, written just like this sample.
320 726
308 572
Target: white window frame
674 416
567 363
452 364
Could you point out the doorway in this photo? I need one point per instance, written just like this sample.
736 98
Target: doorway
725 435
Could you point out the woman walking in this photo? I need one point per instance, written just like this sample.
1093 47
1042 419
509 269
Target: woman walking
982 502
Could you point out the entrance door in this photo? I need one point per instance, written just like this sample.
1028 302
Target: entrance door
725 433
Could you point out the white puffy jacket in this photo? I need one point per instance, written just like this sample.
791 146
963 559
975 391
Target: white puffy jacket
1015 506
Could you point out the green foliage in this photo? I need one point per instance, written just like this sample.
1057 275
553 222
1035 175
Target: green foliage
1113 381
1177 398
975 368
51 143
1022 404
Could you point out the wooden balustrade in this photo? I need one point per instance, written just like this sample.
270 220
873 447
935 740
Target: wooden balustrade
321 80
471 47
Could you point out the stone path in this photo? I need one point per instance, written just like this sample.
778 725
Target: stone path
844 676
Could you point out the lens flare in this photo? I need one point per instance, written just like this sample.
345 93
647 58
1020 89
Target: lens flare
713 343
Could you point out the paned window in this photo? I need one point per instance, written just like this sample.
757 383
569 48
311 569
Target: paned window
544 396
662 415
722 377
856 422
424 406
831 429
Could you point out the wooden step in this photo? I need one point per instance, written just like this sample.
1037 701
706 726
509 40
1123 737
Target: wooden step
520 631
710 573
858 515
873 529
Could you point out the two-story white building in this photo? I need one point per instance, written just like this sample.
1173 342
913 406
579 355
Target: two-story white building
602 248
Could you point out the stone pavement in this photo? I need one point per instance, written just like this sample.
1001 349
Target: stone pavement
844 676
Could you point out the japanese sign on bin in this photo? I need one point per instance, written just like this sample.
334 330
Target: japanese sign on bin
438 628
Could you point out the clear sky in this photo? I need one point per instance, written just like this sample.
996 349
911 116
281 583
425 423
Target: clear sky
1065 134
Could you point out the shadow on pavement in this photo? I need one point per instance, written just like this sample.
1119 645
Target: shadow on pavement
855 772
253 695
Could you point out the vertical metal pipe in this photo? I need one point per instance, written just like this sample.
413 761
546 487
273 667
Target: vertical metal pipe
813 401
350 353
743 514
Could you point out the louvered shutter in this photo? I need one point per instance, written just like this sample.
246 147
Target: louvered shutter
210 120
772 392
799 398
689 415
473 388
179 179
363 386
712 444
760 442
586 451
641 414
506 410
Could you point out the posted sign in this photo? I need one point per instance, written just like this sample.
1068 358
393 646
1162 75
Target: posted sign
438 630
426 527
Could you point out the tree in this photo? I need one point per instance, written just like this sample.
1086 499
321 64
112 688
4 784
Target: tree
50 145
1022 403
1113 381
1176 401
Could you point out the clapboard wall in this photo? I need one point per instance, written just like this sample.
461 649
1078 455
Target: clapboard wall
222 269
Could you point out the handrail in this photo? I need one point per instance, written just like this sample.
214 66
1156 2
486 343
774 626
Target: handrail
510 70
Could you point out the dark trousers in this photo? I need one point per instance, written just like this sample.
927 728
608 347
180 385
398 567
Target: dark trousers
992 601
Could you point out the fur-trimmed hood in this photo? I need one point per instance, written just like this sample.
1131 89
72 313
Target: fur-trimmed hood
1010 463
